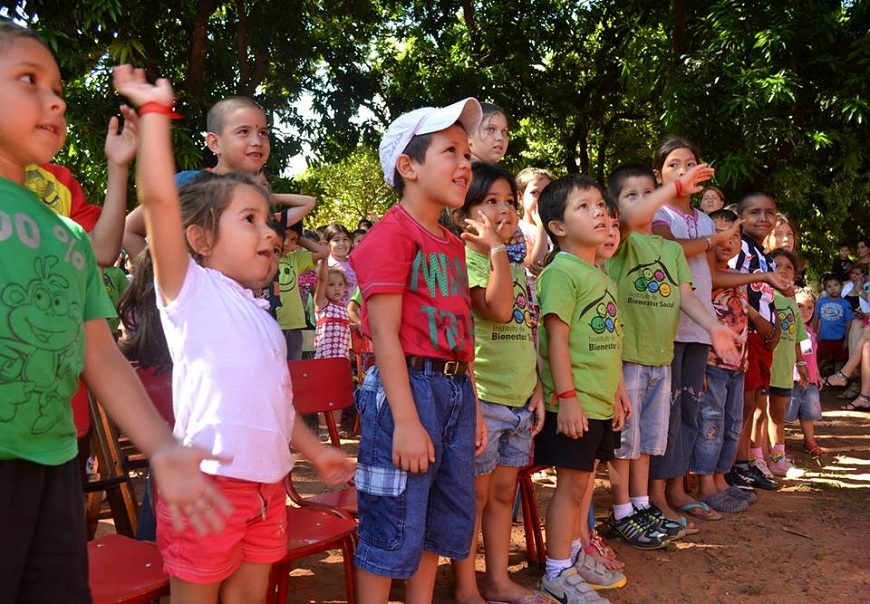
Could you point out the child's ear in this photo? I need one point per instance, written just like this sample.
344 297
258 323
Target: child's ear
199 240
213 142
406 167
658 177
557 227
458 217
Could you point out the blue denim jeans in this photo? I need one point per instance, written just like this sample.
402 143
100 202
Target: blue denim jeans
402 514
719 422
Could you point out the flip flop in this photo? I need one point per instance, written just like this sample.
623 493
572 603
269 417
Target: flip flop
688 530
701 510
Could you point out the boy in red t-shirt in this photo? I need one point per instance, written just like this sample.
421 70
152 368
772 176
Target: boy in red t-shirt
415 474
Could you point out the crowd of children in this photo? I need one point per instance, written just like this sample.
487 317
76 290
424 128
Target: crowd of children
569 324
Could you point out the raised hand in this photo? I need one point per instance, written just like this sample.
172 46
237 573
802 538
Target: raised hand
121 145
132 83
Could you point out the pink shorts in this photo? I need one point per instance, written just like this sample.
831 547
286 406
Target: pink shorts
255 532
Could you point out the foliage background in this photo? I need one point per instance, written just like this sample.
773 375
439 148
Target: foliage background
776 92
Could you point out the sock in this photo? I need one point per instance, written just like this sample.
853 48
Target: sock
554 568
755 453
576 546
641 503
778 452
622 510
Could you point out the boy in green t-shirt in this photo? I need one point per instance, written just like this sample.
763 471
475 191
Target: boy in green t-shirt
581 348
655 285
787 351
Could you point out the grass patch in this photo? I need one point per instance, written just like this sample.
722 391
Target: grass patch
752 589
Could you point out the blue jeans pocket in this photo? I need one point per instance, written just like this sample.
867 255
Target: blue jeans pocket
382 505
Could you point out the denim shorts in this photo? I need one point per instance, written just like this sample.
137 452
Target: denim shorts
508 437
402 514
805 403
719 422
646 431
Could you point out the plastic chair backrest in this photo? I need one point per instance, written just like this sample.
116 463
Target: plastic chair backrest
321 385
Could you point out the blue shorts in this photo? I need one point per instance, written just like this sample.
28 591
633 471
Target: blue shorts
402 514
646 431
805 403
509 437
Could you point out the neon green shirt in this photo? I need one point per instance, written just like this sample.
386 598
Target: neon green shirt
784 355
504 353
648 271
291 313
584 298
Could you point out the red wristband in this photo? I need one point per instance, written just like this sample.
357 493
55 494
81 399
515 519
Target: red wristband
678 188
566 394
155 107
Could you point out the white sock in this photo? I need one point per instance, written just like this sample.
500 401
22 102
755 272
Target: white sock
576 546
622 510
640 503
554 568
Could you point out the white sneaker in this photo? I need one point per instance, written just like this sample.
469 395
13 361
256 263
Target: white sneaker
570 588
596 575
783 467
761 465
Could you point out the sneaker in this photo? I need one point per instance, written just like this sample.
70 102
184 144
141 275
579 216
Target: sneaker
813 448
781 466
671 528
761 466
596 575
755 478
570 588
637 530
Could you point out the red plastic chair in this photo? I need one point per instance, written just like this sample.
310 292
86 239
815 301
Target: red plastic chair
312 530
121 569
536 551
323 386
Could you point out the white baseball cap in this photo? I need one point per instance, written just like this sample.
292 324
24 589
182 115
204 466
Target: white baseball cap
425 120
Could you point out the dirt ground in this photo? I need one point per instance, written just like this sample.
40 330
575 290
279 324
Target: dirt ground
805 543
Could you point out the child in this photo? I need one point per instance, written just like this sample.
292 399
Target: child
581 351
231 385
530 183
293 263
787 358
513 409
333 324
337 238
655 289
415 472
489 142
843 262
54 329
805 403
758 212
833 317
238 135
721 416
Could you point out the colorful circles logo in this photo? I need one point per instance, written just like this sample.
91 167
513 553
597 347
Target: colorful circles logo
652 281
605 319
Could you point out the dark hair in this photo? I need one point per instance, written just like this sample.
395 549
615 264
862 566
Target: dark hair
416 150
310 234
828 277
364 223
554 200
747 199
623 173
333 230
205 198
612 207
10 32
670 145
217 115
781 251
488 109
144 341
484 175
723 214
359 232
296 227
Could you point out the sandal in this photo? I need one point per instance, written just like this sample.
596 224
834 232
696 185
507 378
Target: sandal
852 391
701 510
836 380
813 448
854 406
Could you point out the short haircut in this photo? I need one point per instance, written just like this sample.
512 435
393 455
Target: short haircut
670 145
790 256
296 227
416 150
10 32
359 233
484 175
554 198
217 115
828 277
623 173
747 199
724 215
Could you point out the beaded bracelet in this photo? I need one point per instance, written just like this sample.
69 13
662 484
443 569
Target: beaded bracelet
155 107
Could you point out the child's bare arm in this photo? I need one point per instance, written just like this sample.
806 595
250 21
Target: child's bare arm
722 278
642 211
412 447
332 464
298 206
693 247
108 232
571 420
112 381
317 249
801 365
322 280
155 180
496 301
134 232
537 253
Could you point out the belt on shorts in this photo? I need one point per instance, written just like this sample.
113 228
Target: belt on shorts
432 365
